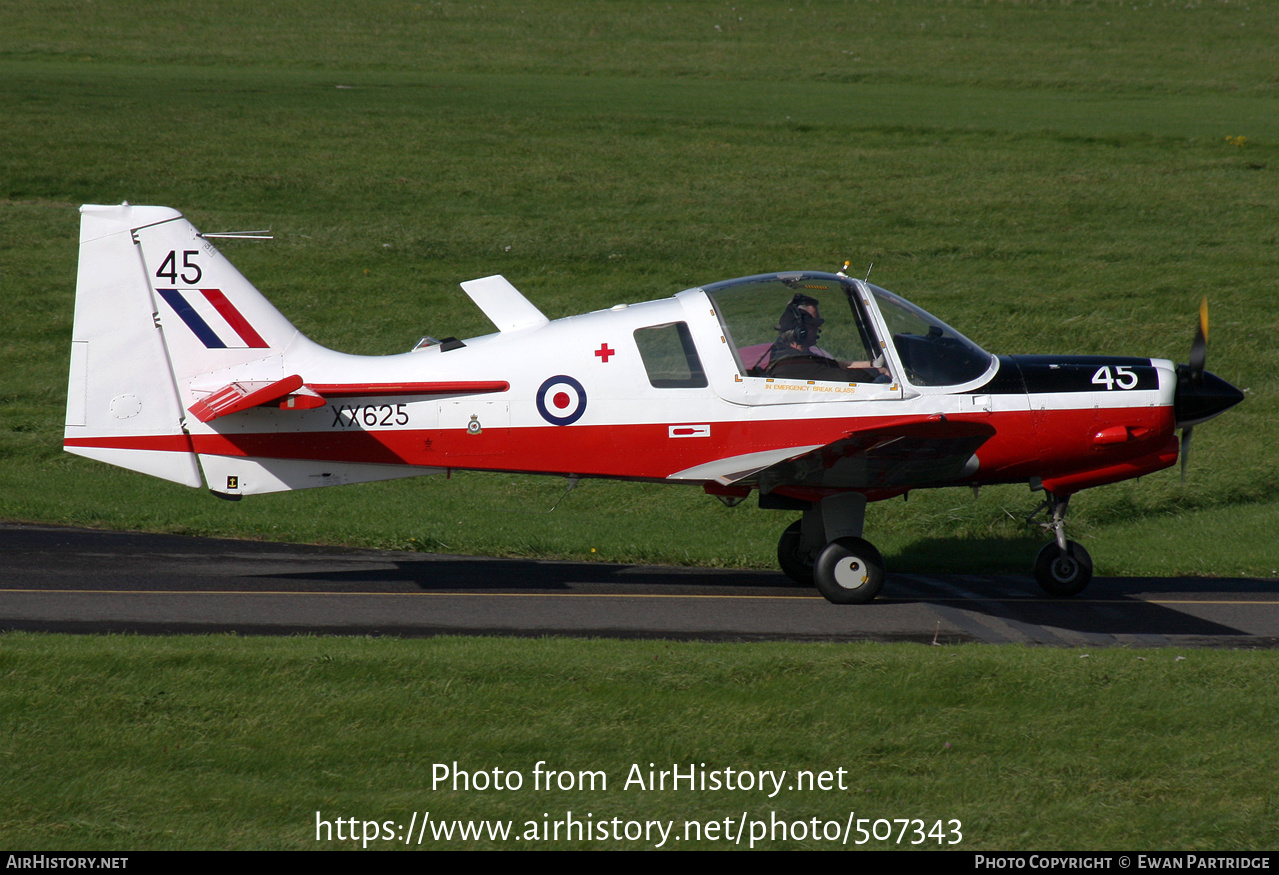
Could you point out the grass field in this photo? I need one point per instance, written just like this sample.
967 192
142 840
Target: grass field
1048 176
221 742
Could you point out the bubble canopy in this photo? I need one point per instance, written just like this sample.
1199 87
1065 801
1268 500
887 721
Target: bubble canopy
822 326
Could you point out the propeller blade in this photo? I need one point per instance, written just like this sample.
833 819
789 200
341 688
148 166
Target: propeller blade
1199 348
1200 395
1198 358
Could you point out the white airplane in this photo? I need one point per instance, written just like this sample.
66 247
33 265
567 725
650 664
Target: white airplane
818 391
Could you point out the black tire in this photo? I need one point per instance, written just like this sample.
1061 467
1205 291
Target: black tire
1063 576
797 567
849 571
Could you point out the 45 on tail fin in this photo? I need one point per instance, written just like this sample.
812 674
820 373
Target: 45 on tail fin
157 306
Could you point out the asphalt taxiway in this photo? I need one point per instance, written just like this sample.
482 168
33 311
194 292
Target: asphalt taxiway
87 581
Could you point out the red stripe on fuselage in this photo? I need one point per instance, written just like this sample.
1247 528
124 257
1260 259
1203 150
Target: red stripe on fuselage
1042 443
161 443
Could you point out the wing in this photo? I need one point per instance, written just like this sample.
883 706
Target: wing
918 451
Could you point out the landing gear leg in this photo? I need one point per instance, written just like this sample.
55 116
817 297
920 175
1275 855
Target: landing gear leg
1063 568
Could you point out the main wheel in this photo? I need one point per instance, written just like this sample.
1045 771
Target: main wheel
1063 576
849 571
795 565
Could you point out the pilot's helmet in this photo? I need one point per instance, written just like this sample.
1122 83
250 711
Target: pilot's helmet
804 325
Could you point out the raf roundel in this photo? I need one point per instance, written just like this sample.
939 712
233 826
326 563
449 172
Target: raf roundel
561 400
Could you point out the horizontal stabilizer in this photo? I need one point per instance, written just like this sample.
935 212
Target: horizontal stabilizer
294 394
458 387
241 396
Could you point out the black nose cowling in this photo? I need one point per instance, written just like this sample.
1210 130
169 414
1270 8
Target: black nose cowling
1202 396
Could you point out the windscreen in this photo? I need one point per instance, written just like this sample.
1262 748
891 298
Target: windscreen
933 353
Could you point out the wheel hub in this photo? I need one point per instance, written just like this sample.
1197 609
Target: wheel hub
1065 569
851 573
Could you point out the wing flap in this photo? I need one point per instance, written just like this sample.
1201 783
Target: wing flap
733 469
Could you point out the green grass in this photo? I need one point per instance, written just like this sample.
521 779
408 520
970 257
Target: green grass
220 742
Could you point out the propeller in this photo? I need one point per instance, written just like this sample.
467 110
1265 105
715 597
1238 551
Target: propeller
1199 348
1200 395
1186 434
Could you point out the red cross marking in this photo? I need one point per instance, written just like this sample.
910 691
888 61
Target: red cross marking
604 352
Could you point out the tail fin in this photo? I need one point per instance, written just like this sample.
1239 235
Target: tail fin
157 306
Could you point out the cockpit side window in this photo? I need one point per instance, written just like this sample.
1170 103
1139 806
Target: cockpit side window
798 326
669 356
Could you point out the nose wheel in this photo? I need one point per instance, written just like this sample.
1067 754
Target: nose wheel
1062 568
1063 573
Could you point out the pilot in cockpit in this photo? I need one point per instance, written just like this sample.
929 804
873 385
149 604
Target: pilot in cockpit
795 354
